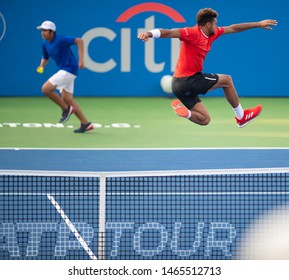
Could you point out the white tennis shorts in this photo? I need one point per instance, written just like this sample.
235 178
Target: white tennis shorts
63 80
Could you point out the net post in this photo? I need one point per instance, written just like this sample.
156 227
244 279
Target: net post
101 222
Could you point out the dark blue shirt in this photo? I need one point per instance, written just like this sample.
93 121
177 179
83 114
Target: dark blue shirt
59 50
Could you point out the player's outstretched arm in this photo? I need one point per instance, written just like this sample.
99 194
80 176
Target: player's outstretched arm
265 24
159 33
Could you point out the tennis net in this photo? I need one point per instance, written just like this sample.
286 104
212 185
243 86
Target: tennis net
168 215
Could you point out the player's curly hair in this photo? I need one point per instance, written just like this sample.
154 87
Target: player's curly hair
205 15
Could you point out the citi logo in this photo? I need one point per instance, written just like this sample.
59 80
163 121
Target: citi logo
150 7
122 58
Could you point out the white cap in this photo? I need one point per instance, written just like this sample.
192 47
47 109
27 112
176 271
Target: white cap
47 25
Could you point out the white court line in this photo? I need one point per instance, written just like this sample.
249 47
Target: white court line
145 149
72 227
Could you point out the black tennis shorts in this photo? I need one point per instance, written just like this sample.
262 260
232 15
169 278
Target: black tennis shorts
187 89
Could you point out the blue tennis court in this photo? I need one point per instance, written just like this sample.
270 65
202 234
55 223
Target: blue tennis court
141 159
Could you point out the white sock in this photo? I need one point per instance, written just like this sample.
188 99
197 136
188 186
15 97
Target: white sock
189 115
239 112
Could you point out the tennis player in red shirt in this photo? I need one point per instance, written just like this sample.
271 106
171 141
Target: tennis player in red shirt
189 81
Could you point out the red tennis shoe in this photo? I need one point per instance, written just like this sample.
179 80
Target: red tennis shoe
179 109
249 115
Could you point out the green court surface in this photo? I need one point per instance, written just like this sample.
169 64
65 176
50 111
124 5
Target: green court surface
31 122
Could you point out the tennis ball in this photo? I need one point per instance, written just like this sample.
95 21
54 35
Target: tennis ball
166 84
40 70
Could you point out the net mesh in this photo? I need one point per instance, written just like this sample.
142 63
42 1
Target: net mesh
135 217
32 228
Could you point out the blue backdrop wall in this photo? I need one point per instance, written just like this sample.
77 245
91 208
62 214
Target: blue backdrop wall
118 64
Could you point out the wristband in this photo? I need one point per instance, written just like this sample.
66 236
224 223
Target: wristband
156 33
